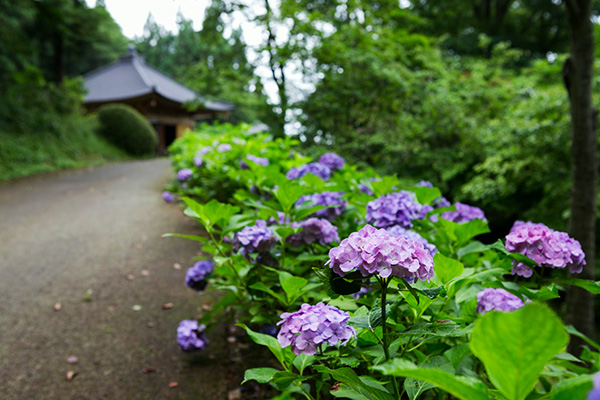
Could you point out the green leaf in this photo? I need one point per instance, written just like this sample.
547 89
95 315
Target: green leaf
305 212
414 387
515 346
468 230
291 285
473 247
261 375
498 246
288 194
201 239
437 329
283 379
573 388
263 288
265 340
446 268
456 386
354 384
302 361
457 353
426 195
591 286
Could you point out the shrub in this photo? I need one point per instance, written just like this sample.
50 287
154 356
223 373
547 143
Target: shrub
127 129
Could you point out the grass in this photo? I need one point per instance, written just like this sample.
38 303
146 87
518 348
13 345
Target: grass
32 153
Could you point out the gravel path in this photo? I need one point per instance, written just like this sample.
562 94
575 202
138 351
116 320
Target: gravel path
91 240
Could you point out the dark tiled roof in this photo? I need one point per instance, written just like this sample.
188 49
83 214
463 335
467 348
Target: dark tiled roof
131 77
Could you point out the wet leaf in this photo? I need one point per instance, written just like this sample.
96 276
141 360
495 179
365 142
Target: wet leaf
167 306
173 384
57 307
72 360
70 375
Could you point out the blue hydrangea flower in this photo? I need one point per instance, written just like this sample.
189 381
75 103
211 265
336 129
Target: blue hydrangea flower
224 147
594 394
324 199
464 213
257 238
397 230
190 336
332 161
195 277
497 299
398 208
314 230
317 169
168 196
184 174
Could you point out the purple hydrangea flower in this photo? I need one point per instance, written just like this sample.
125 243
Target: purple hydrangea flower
195 277
313 230
374 251
204 150
184 174
317 169
332 161
190 335
311 326
279 220
365 189
258 160
198 160
424 183
397 230
168 196
497 299
547 247
257 238
363 290
398 208
464 213
594 394
325 199
224 147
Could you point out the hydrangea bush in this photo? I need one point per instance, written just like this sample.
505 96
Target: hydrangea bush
381 295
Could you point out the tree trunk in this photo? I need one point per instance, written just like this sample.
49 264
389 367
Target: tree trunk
578 74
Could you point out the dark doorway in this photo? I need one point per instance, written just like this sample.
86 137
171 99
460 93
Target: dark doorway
170 135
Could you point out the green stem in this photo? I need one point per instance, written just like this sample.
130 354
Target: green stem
386 342
222 254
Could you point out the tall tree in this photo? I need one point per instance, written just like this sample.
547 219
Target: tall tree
578 74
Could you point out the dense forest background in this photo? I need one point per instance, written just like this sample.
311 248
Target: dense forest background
466 94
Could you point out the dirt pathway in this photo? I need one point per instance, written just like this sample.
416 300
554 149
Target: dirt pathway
91 241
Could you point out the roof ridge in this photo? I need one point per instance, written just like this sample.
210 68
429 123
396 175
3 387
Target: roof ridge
140 70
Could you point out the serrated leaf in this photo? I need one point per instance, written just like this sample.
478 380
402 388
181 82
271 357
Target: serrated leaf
438 329
573 388
446 268
591 286
261 375
354 384
265 340
302 361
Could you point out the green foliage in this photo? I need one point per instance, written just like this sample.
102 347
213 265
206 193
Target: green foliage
127 129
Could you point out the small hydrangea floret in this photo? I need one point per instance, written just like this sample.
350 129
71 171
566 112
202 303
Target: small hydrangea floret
258 238
594 393
324 199
224 147
332 160
376 252
168 196
311 326
184 174
320 170
497 299
314 230
190 336
547 247
398 208
464 213
195 277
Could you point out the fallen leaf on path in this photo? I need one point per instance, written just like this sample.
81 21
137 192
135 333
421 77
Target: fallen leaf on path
177 266
231 339
145 272
70 375
38 367
151 324
149 370
139 246
173 384
72 360
137 307
57 307
206 307
87 296
167 306
235 394
111 308
130 277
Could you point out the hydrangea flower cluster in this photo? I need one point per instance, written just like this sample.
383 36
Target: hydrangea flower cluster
279 220
258 160
168 196
310 326
397 230
547 247
497 299
198 160
195 277
224 147
332 161
315 168
325 199
464 213
190 335
374 251
313 230
398 208
257 238
594 394
364 189
184 174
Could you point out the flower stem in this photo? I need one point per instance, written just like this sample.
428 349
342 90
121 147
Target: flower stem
386 342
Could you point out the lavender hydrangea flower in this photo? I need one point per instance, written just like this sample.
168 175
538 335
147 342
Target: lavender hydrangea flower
425 183
497 299
464 213
332 160
397 230
195 277
325 199
280 219
398 208
594 394
198 160
224 147
168 196
258 160
311 326
313 230
184 174
317 169
190 336
204 150
376 252
257 238
545 246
